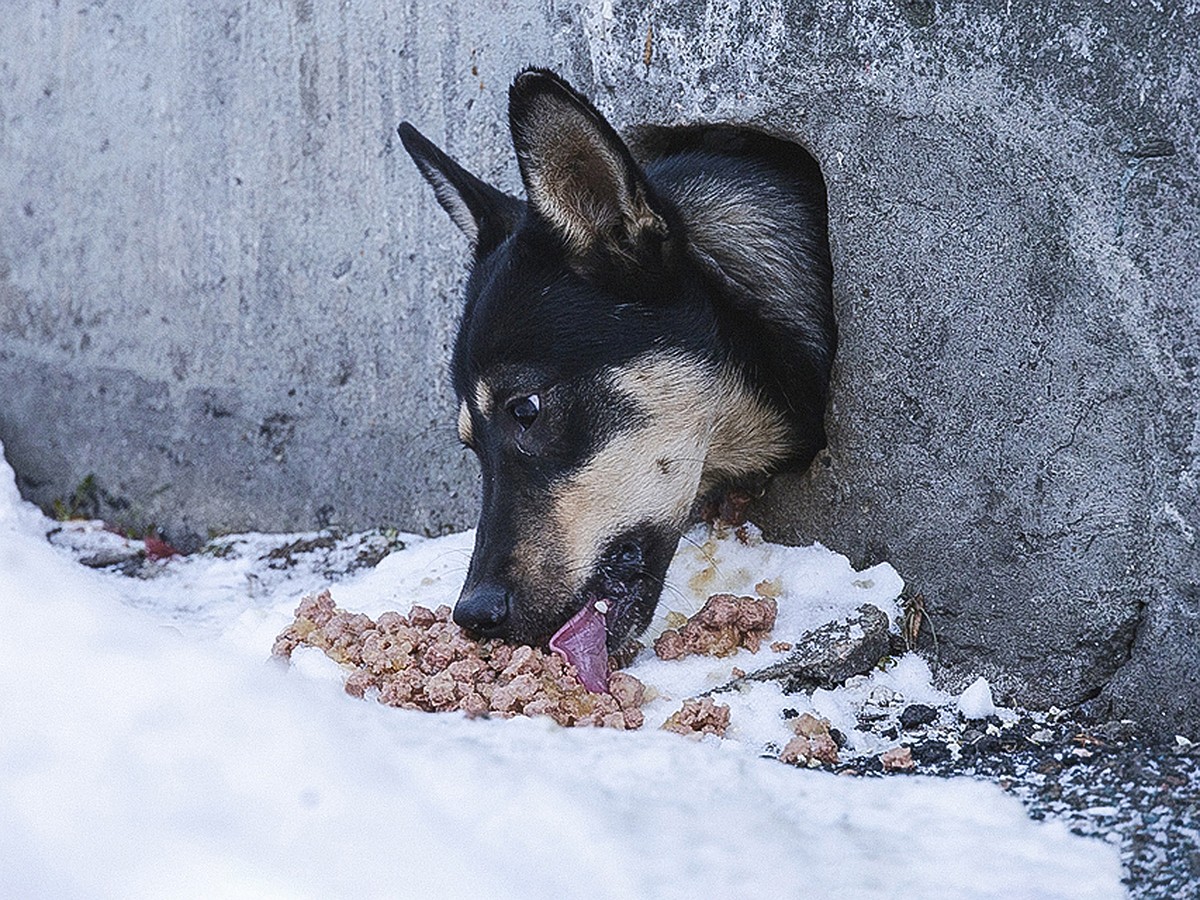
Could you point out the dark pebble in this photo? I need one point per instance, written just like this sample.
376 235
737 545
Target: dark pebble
1049 766
987 743
872 765
916 715
930 752
106 558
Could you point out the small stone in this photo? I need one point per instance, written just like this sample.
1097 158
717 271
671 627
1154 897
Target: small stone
832 654
869 719
102 559
898 759
929 752
916 715
988 743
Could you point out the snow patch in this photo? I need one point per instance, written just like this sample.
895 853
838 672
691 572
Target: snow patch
151 748
976 701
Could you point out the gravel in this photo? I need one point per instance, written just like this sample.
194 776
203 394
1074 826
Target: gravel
1106 781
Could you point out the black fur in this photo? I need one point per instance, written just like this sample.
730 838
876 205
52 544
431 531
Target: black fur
608 264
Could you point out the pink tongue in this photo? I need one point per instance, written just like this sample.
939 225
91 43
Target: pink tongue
583 643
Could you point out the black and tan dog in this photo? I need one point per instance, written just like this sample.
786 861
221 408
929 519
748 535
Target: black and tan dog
636 336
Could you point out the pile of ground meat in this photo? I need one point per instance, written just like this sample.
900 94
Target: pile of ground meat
425 661
724 624
812 745
699 716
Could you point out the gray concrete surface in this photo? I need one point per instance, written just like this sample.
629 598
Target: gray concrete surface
225 291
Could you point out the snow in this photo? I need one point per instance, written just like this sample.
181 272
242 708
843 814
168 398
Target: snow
976 701
150 747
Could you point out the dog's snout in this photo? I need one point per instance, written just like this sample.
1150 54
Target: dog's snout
484 609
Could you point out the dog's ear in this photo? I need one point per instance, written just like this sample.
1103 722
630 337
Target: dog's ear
485 215
579 175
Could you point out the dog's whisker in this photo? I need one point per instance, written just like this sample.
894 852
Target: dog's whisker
703 548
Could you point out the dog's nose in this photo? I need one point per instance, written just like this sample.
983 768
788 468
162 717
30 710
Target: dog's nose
483 610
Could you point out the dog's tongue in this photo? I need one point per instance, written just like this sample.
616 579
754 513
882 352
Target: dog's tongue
583 642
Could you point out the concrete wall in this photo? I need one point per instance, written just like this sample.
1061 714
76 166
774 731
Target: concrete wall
225 291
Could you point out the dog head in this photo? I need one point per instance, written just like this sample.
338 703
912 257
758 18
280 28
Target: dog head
585 370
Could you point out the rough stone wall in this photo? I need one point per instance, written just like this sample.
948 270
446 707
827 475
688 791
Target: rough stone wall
225 291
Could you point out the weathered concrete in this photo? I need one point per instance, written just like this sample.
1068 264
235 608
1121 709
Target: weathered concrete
221 288
225 292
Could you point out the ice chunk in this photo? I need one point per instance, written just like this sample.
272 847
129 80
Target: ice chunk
976 701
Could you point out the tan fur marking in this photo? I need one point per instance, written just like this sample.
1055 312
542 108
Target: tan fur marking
704 425
483 397
748 435
464 423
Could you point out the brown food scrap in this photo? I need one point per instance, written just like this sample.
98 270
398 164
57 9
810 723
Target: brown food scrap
781 646
808 725
720 628
671 645
898 759
812 745
770 589
627 690
424 661
699 716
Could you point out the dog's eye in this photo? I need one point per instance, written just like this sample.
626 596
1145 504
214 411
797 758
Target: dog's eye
525 409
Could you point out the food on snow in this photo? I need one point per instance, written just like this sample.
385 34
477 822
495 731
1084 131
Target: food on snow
723 625
699 716
424 661
813 743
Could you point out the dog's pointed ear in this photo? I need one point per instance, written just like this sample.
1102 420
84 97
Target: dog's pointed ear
484 214
579 175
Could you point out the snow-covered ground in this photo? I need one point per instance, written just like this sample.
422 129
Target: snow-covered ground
149 747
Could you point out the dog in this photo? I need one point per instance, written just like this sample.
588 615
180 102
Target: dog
637 336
